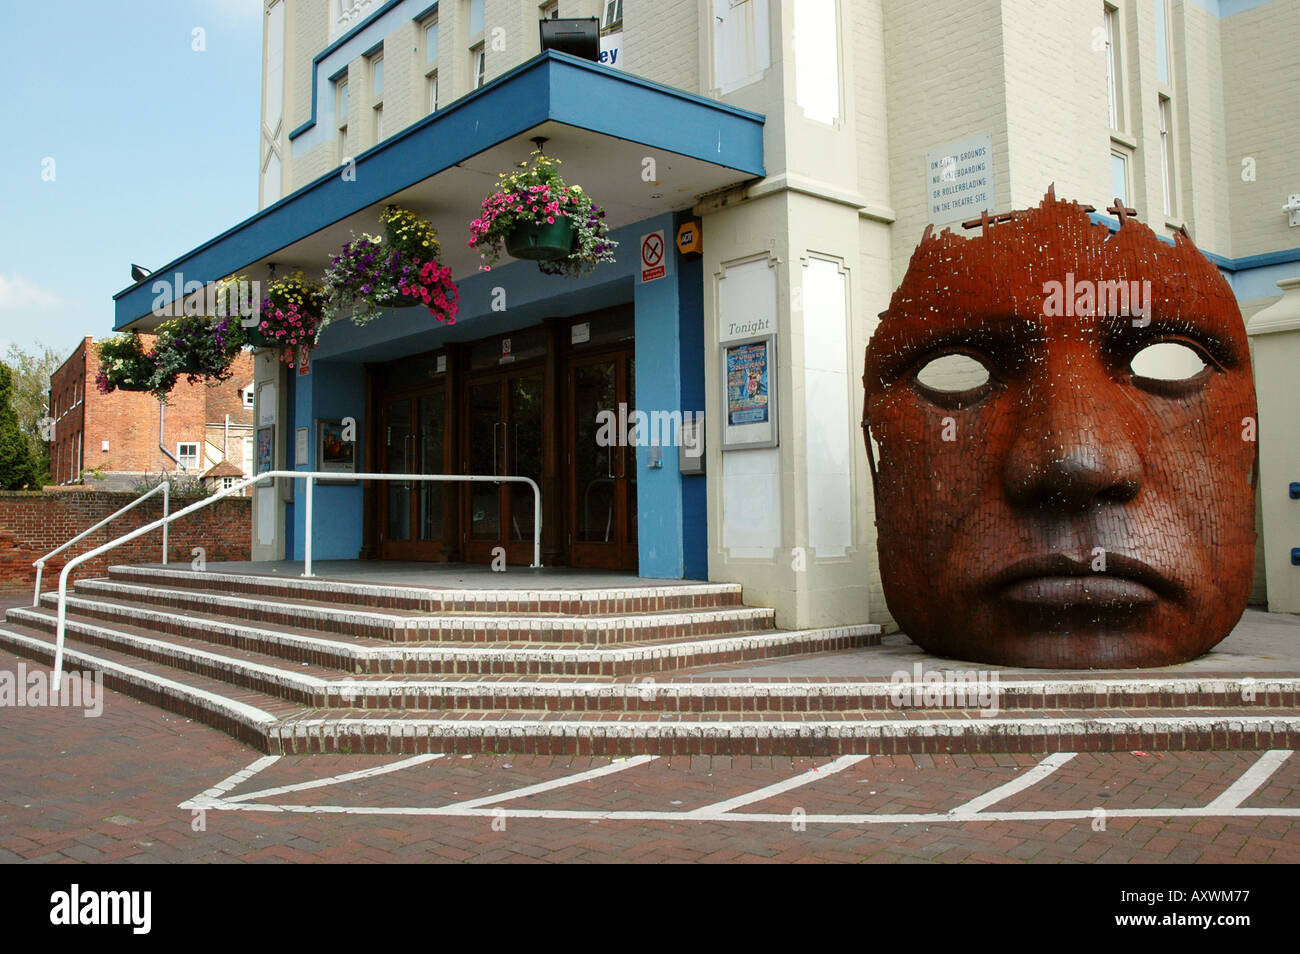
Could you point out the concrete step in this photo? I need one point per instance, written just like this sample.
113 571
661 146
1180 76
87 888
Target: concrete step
106 620
575 601
408 626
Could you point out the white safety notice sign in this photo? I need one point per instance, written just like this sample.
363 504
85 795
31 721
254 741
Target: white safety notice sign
653 250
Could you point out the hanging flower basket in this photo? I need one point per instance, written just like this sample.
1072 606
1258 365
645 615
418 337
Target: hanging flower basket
535 215
546 242
399 269
257 338
290 315
124 365
199 347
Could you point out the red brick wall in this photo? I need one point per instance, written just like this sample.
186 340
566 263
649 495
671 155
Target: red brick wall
33 524
128 420
67 407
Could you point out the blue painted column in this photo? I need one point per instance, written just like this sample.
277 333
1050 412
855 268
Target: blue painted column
332 391
669 377
690 324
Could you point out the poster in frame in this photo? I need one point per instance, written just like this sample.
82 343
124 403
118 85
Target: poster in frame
749 393
334 454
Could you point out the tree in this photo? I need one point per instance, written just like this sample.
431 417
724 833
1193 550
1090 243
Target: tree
31 394
17 466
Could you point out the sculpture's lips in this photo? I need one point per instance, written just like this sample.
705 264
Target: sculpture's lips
1059 581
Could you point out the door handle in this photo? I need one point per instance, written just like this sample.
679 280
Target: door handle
496 443
410 456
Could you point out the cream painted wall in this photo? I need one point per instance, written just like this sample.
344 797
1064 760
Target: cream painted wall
1261 87
849 187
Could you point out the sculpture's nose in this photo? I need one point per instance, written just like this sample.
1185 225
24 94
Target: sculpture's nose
1072 444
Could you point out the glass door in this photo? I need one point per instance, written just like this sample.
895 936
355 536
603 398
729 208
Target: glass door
602 500
503 438
413 520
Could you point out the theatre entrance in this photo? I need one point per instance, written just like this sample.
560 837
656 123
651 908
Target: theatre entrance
530 403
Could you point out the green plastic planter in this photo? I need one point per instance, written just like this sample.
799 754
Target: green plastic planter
256 338
541 243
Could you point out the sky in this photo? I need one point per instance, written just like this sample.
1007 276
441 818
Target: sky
129 146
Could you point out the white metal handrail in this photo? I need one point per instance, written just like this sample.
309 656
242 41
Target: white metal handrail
164 487
310 476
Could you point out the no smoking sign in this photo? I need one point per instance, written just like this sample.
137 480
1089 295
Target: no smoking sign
653 249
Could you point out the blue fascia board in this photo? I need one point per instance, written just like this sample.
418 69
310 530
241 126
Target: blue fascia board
551 86
1221 261
316 60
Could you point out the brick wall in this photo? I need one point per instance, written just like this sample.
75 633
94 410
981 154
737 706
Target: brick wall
32 524
128 420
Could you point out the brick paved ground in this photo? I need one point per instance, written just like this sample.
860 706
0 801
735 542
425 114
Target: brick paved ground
107 789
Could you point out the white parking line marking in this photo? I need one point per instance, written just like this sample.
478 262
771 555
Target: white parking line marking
845 819
336 779
1250 780
1021 782
554 783
1227 805
777 788
243 775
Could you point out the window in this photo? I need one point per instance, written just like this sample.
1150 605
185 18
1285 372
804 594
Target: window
248 396
1119 176
377 94
613 14
341 114
431 40
550 11
227 483
1112 66
1162 42
1166 156
431 63
188 455
475 17
341 99
478 61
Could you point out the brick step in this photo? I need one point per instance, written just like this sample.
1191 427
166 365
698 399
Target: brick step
324 686
244 714
577 601
377 657
805 734
412 627
276 726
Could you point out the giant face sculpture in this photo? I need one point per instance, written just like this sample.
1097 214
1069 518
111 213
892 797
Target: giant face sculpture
1061 505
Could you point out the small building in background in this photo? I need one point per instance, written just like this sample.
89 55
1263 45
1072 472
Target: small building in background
112 441
223 476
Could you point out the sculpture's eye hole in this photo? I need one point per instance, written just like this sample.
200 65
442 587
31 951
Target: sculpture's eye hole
1169 367
953 380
